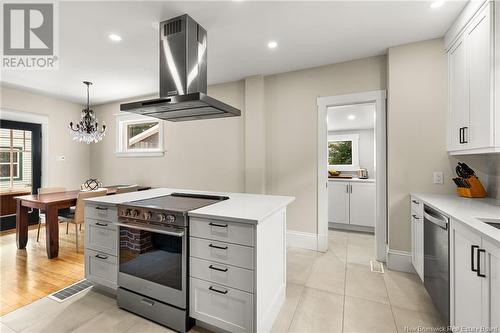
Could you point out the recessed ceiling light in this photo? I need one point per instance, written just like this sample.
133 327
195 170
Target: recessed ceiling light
437 4
115 37
272 44
351 117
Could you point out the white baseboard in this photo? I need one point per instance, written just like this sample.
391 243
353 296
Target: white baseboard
303 240
399 261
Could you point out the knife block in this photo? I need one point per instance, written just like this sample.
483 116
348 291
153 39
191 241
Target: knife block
476 189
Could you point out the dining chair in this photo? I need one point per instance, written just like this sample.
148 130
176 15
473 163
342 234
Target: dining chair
77 217
46 190
126 189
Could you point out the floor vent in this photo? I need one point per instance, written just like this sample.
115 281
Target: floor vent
70 291
376 267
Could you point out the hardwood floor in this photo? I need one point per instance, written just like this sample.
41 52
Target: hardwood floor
27 275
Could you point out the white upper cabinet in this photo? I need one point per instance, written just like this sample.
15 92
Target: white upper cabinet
471 82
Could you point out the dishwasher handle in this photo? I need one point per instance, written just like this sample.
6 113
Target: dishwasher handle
441 221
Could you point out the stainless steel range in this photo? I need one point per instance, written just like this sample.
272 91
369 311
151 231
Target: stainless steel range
153 257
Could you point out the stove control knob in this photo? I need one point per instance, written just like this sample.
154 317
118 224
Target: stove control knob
135 213
126 212
170 218
161 217
148 215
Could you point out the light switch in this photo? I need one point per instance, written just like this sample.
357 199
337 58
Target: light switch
438 177
60 158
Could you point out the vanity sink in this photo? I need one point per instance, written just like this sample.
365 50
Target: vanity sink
491 221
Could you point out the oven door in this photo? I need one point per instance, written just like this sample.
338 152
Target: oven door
152 262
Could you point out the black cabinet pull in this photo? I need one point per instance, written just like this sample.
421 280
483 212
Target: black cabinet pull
218 291
100 256
472 256
464 134
460 135
416 217
218 269
101 208
218 225
479 251
101 224
218 247
415 202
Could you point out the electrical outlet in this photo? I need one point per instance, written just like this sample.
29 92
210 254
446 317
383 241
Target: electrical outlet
438 177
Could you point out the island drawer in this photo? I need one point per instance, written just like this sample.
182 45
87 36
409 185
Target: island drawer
101 236
226 308
101 212
221 252
227 275
230 232
101 268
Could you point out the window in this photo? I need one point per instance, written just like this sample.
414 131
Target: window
5 162
139 136
15 160
343 154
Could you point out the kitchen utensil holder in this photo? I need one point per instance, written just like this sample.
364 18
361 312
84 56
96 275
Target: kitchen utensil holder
476 189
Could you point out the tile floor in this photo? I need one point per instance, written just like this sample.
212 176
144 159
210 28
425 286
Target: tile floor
327 292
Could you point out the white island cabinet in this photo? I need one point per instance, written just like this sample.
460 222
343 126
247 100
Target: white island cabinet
237 256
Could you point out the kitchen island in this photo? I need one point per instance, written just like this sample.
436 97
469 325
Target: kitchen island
236 272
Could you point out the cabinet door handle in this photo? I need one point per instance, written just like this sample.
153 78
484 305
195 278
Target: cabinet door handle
465 135
147 302
350 185
100 256
218 247
347 188
460 140
479 251
217 290
101 208
415 202
416 217
472 256
218 269
101 224
218 225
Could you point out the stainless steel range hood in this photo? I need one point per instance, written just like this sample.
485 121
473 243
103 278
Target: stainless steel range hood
183 76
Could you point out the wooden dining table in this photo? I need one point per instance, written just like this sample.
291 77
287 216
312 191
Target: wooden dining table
51 203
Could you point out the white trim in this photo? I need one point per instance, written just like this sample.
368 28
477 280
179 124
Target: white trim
378 98
399 261
303 240
140 153
354 138
126 118
34 118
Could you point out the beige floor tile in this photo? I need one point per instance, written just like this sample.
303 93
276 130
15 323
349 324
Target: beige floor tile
337 246
328 274
363 283
407 291
284 319
360 248
408 320
318 311
361 316
6 329
112 320
145 326
299 264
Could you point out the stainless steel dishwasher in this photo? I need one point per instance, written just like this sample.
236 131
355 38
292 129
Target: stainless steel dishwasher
436 260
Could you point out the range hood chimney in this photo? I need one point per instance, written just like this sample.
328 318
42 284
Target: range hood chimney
183 76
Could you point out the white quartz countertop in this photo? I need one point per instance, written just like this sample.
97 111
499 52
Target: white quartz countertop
466 210
352 180
242 207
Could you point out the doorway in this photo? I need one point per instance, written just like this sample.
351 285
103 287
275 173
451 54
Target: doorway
20 167
375 100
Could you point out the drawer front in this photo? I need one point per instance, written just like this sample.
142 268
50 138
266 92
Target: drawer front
101 268
417 206
229 276
225 308
237 233
101 212
224 253
101 236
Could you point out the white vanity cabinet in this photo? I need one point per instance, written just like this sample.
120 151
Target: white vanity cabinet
473 125
351 203
101 244
474 278
417 235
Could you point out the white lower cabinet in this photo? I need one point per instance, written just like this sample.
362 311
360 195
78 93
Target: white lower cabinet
351 203
101 268
226 308
474 279
417 236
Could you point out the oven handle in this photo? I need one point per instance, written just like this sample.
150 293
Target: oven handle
152 229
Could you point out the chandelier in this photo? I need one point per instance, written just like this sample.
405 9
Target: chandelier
87 130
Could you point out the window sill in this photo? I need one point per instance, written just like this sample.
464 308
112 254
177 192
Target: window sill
140 153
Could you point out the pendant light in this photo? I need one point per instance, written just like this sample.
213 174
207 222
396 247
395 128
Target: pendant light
87 130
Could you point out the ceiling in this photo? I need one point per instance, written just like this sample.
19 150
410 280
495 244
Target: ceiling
351 117
308 34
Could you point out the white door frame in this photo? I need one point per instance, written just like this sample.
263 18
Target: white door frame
377 97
